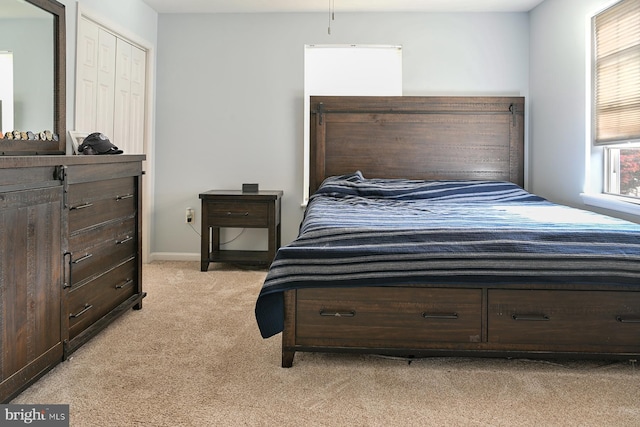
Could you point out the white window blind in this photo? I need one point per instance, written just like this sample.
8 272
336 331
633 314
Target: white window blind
616 74
348 70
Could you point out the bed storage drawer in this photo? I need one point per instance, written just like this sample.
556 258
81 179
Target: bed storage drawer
555 317
399 317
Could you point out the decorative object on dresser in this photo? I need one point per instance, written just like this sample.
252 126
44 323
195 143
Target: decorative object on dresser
76 139
234 208
470 263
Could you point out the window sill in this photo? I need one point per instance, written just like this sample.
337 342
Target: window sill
613 203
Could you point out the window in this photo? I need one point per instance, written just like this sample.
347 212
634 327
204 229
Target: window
623 170
355 70
616 95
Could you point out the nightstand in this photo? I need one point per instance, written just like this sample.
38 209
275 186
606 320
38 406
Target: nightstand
233 208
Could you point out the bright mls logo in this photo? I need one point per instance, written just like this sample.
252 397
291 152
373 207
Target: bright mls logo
34 415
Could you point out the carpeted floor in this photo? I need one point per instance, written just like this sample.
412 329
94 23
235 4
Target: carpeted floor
193 356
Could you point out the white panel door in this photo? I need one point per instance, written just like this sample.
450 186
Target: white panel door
137 113
110 88
87 76
96 79
106 83
122 107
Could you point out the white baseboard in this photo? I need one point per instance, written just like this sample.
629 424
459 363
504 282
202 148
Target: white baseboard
173 256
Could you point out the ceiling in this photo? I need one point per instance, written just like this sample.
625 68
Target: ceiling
266 6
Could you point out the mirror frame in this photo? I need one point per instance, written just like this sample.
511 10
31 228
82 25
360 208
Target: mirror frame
29 148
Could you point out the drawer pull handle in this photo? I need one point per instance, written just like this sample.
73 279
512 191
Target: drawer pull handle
126 196
452 316
333 313
83 206
628 319
126 283
84 258
531 317
125 240
67 283
86 308
237 213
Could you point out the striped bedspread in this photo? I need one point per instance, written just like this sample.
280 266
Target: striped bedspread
377 232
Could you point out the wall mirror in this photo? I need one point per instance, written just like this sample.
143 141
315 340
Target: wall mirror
32 77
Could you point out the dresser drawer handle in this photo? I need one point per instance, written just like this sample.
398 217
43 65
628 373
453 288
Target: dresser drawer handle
332 313
531 317
86 308
237 213
125 240
84 258
628 319
126 283
83 206
126 196
452 316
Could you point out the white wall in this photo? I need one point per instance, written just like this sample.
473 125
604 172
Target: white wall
562 162
230 88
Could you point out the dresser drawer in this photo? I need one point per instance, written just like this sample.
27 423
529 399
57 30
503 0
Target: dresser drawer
92 203
98 249
554 317
238 214
400 317
96 298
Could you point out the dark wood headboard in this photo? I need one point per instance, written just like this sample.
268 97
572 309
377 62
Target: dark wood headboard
417 137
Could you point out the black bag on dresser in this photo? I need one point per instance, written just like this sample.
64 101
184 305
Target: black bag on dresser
98 143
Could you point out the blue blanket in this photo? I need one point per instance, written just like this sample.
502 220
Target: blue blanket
380 232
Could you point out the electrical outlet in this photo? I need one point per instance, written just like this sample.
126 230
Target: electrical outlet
190 216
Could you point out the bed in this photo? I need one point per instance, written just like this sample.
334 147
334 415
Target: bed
419 240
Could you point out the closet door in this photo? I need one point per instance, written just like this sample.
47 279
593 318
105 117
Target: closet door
96 79
122 108
106 83
110 88
87 75
135 144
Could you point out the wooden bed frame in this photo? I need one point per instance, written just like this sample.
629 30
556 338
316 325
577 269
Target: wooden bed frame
446 138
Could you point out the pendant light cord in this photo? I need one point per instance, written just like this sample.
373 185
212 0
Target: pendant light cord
332 16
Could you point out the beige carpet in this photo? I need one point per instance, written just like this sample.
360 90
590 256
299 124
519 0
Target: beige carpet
193 356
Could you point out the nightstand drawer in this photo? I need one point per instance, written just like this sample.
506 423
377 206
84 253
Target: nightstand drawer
98 297
238 214
92 203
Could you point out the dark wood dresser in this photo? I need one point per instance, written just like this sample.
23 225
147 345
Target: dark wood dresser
70 257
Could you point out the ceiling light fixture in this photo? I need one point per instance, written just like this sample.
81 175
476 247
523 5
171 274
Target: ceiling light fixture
332 16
